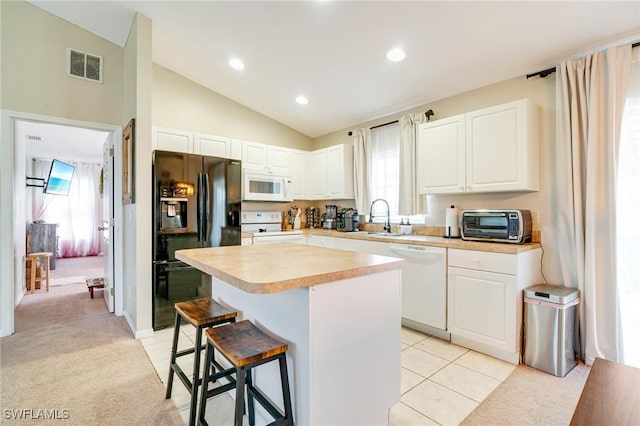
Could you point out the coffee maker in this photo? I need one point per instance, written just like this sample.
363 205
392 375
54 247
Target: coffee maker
348 220
329 220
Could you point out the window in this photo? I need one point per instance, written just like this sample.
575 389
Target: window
385 159
385 179
628 218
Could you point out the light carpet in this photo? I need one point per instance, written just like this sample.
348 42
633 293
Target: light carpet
530 397
69 280
71 359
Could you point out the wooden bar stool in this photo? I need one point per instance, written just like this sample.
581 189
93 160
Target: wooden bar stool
35 258
245 346
201 313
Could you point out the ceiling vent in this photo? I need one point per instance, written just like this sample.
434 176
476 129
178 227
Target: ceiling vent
84 65
31 138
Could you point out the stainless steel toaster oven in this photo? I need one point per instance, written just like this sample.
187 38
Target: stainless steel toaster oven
504 226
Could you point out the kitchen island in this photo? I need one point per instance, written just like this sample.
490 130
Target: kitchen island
339 312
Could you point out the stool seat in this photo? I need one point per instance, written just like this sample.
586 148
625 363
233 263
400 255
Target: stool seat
245 346
34 258
201 312
243 343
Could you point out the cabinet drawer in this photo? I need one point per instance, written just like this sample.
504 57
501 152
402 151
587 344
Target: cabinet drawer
483 261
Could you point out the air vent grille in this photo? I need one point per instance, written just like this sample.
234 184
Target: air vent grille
86 66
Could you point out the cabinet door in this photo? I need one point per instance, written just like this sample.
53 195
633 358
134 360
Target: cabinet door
340 172
441 156
278 160
254 156
299 174
502 148
319 174
482 307
215 146
235 149
172 140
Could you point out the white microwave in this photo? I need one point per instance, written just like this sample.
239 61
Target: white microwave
258 186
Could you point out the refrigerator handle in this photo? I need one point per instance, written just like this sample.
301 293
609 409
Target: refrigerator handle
205 210
199 205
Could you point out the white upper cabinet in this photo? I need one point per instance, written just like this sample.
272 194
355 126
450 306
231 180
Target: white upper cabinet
172 140
319 170
300 175
215 146
332 172
279 160
196 143
441 160
490 150
266 158
235 149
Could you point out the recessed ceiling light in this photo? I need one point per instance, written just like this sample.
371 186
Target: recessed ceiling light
302 100
236 64
395 55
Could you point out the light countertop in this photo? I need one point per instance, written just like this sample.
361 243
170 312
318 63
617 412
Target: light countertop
427 240
273 268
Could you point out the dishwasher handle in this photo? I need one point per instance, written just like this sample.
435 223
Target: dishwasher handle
416 252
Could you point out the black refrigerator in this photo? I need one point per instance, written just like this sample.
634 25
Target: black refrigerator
196 203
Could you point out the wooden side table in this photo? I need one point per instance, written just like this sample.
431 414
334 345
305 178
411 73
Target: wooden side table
93 283
35 258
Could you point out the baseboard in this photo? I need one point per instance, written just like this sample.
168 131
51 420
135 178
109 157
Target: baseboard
427 329
19 296
510 357
138 334
144 333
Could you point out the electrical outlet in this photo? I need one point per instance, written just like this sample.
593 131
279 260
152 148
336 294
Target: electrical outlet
535 217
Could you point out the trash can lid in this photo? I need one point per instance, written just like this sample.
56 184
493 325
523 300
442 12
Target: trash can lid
552 293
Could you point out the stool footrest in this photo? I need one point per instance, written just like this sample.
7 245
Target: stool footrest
188 351
183 377
254 392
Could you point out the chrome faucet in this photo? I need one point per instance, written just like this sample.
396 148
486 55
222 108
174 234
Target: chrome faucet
387 225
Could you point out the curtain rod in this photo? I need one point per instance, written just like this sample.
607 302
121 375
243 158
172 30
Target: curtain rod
428 114
544 73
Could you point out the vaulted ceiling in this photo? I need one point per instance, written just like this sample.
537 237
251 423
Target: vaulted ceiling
334 52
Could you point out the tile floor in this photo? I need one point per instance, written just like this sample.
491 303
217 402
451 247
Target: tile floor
441 383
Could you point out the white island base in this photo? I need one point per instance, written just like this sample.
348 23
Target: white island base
344 347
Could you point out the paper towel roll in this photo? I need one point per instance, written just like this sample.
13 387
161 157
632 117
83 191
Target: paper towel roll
451 222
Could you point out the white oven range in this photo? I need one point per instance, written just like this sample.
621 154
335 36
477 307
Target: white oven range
265 226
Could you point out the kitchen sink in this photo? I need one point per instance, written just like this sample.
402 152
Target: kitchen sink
385 234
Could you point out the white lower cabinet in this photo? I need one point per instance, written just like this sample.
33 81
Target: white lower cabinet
485 299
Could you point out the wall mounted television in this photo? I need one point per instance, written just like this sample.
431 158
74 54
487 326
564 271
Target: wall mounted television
59 180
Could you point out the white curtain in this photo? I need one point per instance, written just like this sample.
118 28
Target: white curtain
408 202
590 94
361 169
628 218
385 167
78 215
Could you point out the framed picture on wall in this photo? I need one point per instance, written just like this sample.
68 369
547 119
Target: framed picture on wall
128 157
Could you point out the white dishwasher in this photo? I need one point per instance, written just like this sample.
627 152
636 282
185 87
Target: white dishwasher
424 285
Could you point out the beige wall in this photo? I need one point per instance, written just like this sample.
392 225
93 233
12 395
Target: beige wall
542 93
179 103
34 49
138 72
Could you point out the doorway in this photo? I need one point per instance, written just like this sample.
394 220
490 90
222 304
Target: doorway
14 214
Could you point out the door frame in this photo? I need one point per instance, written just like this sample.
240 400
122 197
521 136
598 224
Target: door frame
10 226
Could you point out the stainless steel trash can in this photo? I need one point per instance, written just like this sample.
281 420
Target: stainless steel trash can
550 316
